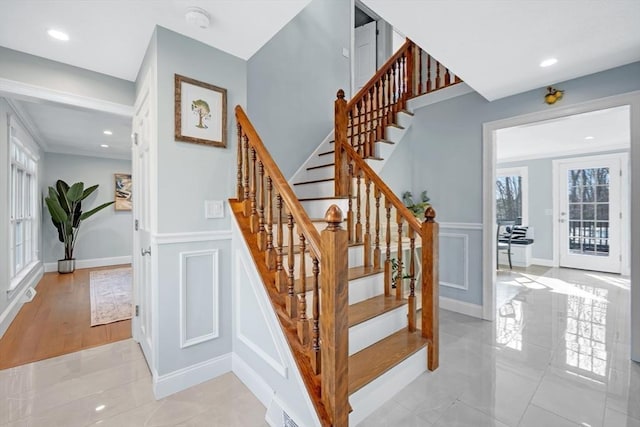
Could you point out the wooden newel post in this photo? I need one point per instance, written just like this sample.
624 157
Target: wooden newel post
334 328
430 287
340 136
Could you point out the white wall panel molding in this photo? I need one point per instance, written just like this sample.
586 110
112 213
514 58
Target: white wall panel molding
462 256
190 237
191 278
461 225
242 270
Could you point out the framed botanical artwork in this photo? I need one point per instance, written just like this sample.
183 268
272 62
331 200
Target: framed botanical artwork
123 192
200 112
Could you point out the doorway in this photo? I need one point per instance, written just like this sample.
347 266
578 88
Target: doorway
490 130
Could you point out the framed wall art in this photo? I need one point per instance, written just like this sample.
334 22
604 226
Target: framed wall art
123 192
200 112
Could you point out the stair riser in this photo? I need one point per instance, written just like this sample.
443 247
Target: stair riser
404 120
356 258
367 333
359 290
318 208
384 150
395 134
372 396
314 174
316 189
321 160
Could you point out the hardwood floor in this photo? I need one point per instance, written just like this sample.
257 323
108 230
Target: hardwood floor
57 322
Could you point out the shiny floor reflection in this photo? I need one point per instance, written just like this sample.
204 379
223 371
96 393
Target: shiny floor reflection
111 386
557 355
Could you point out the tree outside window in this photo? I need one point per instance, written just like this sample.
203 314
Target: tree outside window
511 195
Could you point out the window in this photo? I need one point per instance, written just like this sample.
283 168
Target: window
512 195
22 211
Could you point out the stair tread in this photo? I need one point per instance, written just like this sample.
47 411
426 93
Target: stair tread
354 273
315 181
327 152
395 125
372 307
322 198
373 361
320 166
406 112
373 158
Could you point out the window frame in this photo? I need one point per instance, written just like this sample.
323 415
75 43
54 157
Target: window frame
523 173
23 212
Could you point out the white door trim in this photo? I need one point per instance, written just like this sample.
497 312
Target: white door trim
488 211
624 205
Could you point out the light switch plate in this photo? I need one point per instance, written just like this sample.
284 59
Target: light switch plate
213 209
345 52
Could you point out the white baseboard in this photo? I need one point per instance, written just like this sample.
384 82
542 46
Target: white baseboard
30 281
182 379
473 310
91 263
542 261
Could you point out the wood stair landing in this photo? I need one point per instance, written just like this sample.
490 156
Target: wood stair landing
368 364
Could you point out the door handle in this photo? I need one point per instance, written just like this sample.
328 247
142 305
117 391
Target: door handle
144 252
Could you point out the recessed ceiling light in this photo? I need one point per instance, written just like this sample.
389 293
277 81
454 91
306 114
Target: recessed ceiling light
104 146
198 17
548 62
108 132
58 35
589 137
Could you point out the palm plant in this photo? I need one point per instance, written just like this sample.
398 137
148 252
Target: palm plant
65 206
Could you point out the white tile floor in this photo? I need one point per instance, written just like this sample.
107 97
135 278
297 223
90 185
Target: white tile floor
557 355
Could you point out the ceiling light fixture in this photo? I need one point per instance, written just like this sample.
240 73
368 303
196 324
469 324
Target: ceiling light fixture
198 17
589 137
58 35
104 146
108 132
548 62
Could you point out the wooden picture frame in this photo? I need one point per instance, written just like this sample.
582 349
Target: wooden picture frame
122 187
200 112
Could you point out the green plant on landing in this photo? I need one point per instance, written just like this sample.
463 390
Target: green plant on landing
416 208
65 206
395 273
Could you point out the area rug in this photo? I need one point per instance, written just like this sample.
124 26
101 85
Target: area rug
110 295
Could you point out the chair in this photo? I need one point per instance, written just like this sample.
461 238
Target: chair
503 240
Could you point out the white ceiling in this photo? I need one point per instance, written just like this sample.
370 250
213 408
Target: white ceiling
566 136
111 36
60 128
496 46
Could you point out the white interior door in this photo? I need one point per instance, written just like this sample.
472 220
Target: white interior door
365 54
142 322
590 213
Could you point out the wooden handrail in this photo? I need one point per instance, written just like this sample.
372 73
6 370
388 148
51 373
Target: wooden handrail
384 188
280 183
381 72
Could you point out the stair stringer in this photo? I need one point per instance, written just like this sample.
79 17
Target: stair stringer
265 364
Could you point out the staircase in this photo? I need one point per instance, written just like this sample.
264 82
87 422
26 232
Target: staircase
326 247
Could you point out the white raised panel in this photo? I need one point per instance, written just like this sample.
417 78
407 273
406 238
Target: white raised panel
454 258
199 288
252 326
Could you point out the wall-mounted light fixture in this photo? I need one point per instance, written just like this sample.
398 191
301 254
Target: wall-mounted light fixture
553 95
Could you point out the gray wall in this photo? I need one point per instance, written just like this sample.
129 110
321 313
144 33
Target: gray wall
540 173
189 174
446 142
293 79
106 234
34 70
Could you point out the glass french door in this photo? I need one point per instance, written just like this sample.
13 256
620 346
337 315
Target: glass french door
590 211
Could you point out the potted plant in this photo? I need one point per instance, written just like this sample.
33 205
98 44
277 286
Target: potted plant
65 206
416 208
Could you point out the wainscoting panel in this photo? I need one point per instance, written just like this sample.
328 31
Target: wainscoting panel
252 327
199 287
454 260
